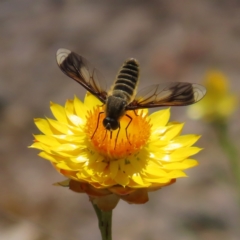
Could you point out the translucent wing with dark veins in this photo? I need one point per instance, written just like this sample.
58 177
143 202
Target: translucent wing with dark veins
167 94
79 69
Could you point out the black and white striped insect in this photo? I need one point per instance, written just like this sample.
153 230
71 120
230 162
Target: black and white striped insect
123 95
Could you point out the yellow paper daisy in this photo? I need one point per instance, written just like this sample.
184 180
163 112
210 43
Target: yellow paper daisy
219 103
107 166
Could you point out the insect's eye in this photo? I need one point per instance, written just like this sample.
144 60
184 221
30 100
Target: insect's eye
110 123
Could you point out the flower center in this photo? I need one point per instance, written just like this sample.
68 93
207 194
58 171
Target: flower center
124 141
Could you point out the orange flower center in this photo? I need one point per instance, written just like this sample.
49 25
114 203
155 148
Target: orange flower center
124 141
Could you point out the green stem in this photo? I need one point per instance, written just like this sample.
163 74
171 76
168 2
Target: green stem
104 222
230 150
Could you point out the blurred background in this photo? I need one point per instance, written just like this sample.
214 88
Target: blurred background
173 41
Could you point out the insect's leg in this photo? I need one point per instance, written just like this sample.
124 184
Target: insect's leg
135 112
117 135
127 127
97 124
105 135
111 134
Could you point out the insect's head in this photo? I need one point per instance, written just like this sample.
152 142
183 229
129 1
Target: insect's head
110 123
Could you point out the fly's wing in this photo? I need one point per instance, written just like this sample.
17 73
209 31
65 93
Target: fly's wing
167 94
80 70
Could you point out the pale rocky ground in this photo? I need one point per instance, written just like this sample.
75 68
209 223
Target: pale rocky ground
173 40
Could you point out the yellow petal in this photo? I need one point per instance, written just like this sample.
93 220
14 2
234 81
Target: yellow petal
37 145
122 178
114 166
58 112
47 140
155 171
48 156
188 163
69 107
64 183
43 147
91 101
176 174
181 141
173 131
58 127
185 152
160 118
137 178
70 111
43 126
77 139
80 108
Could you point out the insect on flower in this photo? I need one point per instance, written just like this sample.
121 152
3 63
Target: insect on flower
123 96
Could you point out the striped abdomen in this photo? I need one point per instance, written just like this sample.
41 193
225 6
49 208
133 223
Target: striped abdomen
126 81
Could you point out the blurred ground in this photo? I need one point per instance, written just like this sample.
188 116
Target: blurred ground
173 40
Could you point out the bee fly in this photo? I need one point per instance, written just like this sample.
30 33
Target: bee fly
122 96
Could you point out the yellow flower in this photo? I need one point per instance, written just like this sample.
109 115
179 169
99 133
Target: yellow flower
149 155
219 103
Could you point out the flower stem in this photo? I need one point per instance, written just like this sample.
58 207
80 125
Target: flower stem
104 222
230 150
